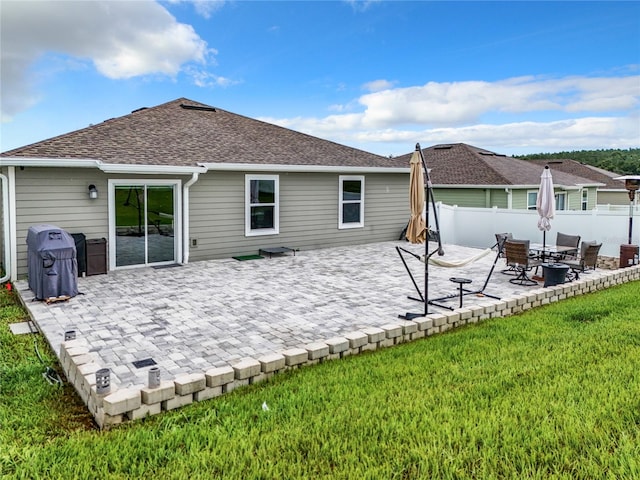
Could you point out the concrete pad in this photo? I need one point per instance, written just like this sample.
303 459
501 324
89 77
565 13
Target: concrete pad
22 328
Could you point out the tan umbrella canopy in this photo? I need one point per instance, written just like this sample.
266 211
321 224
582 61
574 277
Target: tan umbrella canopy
416 230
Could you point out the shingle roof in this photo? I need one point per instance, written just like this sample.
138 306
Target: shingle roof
462 164
587 171
185 133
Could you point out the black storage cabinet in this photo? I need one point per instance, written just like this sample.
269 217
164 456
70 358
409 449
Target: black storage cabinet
96 256
52 264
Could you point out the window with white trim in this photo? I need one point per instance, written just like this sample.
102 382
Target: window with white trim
561 201
532 198
262 209
585 199
351 202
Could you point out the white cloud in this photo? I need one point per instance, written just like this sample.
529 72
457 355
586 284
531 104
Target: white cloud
360 5
121 39
454 103
202 78
510 138
577 133
204 8
602 113
378 85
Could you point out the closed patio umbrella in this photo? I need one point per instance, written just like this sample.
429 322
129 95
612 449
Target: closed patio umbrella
545 205
416 230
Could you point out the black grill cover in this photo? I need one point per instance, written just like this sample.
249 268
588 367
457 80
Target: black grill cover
53 267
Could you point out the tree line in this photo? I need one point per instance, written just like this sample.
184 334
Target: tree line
623 162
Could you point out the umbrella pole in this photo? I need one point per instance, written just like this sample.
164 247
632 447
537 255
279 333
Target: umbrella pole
544 243
426 240
429 197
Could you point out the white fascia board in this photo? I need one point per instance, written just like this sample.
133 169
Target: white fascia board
516 187
49 162
186 170
254 167
595 184
496 187
150 169
105 167
628 177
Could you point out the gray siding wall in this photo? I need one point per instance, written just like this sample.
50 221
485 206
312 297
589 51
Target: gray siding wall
60 196
308 209
574 200
463 197
308 213
612 198
519 199
499 198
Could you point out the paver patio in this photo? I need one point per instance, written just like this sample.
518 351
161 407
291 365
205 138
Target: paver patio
216 313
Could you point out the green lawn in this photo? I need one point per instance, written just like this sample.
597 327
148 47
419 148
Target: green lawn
552 393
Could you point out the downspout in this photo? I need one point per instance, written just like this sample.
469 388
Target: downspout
13 229
185 217
5 229
509 198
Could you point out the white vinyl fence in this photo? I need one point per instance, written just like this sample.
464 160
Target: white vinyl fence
476 227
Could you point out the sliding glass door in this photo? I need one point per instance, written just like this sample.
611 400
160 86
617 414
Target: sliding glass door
144 223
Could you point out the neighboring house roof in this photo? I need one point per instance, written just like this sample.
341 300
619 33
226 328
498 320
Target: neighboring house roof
459 164
587 171
185 133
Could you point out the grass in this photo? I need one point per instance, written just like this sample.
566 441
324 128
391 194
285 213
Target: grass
552 393
131 203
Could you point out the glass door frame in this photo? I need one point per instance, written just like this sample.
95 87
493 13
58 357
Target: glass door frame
177 223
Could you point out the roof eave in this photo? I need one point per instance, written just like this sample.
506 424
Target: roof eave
151 169
254 167
517 187
49 162
105 167
594 184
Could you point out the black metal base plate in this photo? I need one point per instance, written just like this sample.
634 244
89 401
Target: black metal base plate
147 362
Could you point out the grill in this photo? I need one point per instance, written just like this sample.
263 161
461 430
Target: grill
53 267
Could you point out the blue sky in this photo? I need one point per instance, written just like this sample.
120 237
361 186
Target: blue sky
513 77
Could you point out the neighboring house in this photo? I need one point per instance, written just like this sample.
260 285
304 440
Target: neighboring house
469 176
184 181
612 192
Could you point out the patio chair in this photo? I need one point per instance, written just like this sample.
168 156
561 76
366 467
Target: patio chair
500 239
517 254
564 240
587 260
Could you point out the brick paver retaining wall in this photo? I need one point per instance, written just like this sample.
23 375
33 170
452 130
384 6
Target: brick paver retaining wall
120 405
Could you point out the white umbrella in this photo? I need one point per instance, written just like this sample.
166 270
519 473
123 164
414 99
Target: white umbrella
546 205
